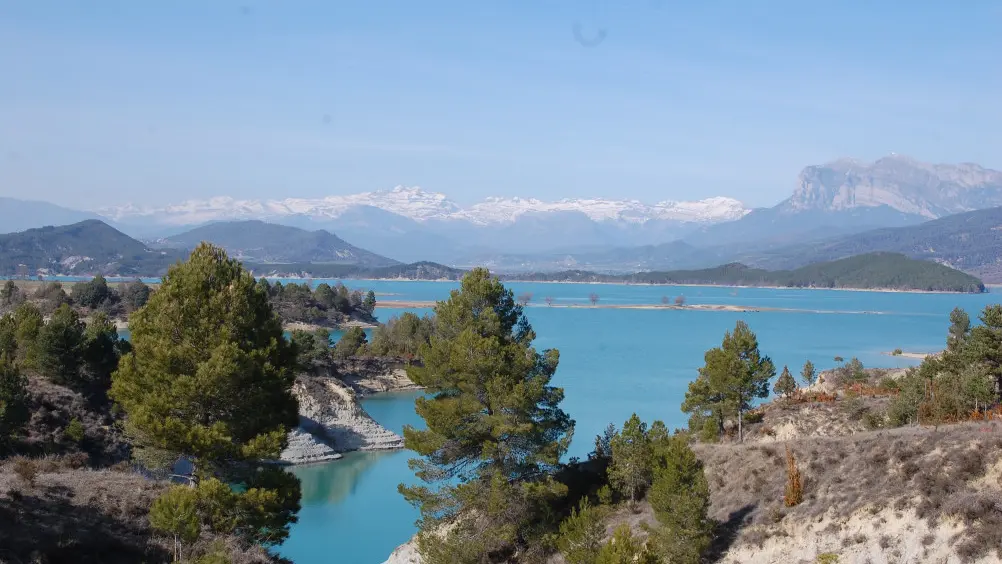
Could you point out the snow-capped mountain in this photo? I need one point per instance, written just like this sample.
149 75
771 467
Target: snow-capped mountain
422 206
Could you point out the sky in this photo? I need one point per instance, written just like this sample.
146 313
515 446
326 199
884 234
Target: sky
107 102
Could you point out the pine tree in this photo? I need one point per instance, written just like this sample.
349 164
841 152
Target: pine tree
734 374
175 513
13 401
630 469
808 374
581 533
960 329
495 431
369 304
680 498
29 323
60 343
785 384
209 380
100 348
349 343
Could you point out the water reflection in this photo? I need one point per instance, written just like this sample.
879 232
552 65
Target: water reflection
331 483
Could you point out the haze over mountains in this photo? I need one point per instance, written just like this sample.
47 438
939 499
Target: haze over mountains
829 202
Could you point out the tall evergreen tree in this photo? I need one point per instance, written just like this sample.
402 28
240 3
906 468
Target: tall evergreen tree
29 322
630 470
680 498
209 379
984 345
960 329
13 401
785 384
60 347
369 303
734 375
100 349
349 343
808 373
495 431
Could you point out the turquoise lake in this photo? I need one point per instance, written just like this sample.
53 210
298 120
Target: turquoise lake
613 362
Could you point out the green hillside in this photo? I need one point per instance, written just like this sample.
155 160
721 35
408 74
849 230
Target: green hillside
261 242
87 247
970 241
413 271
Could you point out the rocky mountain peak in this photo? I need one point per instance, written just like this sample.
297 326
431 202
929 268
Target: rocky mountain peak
898 182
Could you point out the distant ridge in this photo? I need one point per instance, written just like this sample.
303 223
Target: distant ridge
970 241
260 242
86 247
873 271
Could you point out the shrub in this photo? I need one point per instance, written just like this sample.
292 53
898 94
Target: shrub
827 558
175 513
624 548
794 485
854 408
75 431
581 533
26 469
753 417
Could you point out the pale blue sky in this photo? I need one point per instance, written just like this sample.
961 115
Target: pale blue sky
105 102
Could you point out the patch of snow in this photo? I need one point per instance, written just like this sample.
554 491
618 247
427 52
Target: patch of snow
419 205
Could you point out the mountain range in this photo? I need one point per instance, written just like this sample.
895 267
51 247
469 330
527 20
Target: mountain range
828 202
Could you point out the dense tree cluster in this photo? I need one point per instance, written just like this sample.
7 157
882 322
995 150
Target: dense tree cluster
402 336
92 296
324 305
965 378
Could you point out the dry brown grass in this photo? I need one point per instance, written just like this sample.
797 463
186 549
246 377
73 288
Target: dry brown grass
71 514
938 473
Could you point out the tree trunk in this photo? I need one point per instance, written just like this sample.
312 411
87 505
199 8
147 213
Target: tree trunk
741 436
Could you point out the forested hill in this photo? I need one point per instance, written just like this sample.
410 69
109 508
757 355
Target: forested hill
87 247
413 271
261 242
889 271
969 241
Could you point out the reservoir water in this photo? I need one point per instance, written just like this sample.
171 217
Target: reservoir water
613 362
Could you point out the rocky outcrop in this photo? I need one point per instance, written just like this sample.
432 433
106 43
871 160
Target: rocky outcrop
373 375
331 421
405 554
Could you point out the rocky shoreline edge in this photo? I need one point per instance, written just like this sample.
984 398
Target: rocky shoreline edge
333 422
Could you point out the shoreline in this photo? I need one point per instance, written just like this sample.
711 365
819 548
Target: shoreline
423 304
912 355
516 280
680 285
301 326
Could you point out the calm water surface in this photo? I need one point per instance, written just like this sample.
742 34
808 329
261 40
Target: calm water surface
613 362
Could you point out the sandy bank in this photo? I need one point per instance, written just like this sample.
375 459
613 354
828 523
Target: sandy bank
300 326
417 304
915 355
